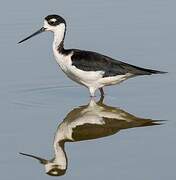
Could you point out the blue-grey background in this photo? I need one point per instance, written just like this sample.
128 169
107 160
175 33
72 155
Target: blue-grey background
35 95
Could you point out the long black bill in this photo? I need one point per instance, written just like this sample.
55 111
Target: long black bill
34 34
42 161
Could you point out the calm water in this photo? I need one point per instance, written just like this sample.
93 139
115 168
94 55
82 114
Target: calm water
36 96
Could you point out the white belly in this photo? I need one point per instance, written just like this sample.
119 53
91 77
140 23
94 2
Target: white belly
87 78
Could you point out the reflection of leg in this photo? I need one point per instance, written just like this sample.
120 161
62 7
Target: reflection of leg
92 91
100 102
101 91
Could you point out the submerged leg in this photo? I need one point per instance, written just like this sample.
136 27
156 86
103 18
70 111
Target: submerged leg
101 92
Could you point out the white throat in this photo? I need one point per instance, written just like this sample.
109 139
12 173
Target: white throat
59 33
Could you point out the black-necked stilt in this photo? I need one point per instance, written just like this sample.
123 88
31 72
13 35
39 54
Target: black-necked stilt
87 68
92 121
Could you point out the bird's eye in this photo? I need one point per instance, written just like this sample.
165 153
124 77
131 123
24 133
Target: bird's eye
52 21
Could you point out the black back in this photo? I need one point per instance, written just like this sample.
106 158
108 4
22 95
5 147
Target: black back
92 61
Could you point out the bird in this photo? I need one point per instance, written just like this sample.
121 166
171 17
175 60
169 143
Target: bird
90 69
87 122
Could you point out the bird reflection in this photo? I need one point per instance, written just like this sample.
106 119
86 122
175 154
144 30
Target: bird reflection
91 121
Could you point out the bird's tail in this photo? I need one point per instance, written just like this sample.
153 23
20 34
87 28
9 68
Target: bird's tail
152 71
145 71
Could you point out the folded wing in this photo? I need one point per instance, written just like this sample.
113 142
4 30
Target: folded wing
92 61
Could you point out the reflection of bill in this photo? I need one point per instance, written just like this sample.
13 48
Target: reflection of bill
91 121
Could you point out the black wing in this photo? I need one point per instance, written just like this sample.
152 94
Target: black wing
92 61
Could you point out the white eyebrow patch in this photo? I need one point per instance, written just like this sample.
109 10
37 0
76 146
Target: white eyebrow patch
53 20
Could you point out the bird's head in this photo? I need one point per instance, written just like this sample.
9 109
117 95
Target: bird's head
52 168
53 23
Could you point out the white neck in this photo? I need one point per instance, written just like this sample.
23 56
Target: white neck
60 156
59 34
